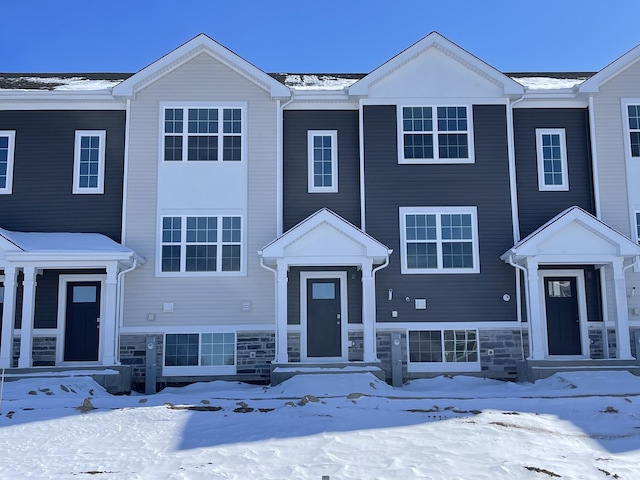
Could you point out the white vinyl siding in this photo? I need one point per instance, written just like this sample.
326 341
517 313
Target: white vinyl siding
435 134
439 240
551 149
199 189
7 150
88 162
322 161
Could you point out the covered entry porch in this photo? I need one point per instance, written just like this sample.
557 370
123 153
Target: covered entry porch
325 294
60 298
574 277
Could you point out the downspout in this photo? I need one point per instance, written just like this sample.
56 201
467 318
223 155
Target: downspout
361 148
375 307
120 304
515 220
596 200
527 301
279 166
275 272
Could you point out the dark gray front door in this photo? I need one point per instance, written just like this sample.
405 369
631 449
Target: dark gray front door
82 332
563 318
324 330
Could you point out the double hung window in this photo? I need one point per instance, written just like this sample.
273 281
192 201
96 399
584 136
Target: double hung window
439 240
202 134
435 134
89 159
201 244
7 148
551 147
322 161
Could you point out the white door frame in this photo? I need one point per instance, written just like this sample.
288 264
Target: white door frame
344 320
62 314
578 274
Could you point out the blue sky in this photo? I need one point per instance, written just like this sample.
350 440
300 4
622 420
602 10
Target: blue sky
352 36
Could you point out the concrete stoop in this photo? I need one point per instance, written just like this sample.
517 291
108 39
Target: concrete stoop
284 371
115 379
532 370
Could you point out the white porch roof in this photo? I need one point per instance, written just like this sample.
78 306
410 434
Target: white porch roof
325 238
62 247
574 236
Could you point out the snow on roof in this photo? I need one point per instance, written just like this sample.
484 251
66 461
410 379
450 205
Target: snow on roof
61 82
550 81
63 242
318 81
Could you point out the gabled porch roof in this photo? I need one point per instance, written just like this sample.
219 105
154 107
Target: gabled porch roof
574 236
324 238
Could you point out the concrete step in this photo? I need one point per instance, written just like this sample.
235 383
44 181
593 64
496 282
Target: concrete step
115 379
532 370
284 371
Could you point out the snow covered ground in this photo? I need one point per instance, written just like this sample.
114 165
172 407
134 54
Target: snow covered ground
349 426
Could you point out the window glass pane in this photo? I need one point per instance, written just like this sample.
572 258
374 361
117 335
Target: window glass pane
232 149
172 148
558 288
452 119
323 291
425 346
201 258
231 258
231 230
232 120
635 144
418 146
1 294
460 346
173 120
89 157
634 116
638 225
202 148
171 229
322 161
203 120
452 145
202 229
171 258
422 255
181 350
217 349
84 293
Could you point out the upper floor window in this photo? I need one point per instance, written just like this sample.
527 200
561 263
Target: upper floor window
439 240
202 134
430 134
7 147
551 148
633 113
323 161
88 161
638 226
201 244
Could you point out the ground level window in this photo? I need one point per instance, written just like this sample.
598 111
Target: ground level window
443 347
199 350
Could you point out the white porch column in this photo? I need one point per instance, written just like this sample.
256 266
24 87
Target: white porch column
623 340
368 313
28 310
281 313
8 315
108 317
536 316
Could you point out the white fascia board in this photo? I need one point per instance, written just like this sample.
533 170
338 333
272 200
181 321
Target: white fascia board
75 258
59 100
200 44
434 101
542 101
593 84
434 39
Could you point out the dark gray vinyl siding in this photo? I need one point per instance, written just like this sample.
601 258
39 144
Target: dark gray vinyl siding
43 173
536 207
354 292
298 203
484 184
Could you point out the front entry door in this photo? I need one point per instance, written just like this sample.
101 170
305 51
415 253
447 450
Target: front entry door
563 318
82 331
324 329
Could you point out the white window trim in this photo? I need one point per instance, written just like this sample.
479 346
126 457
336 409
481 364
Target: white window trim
185 106
443 366
438 211
102 135
563 158
183 244
625 125
196 370
11 134
311 134
435 160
